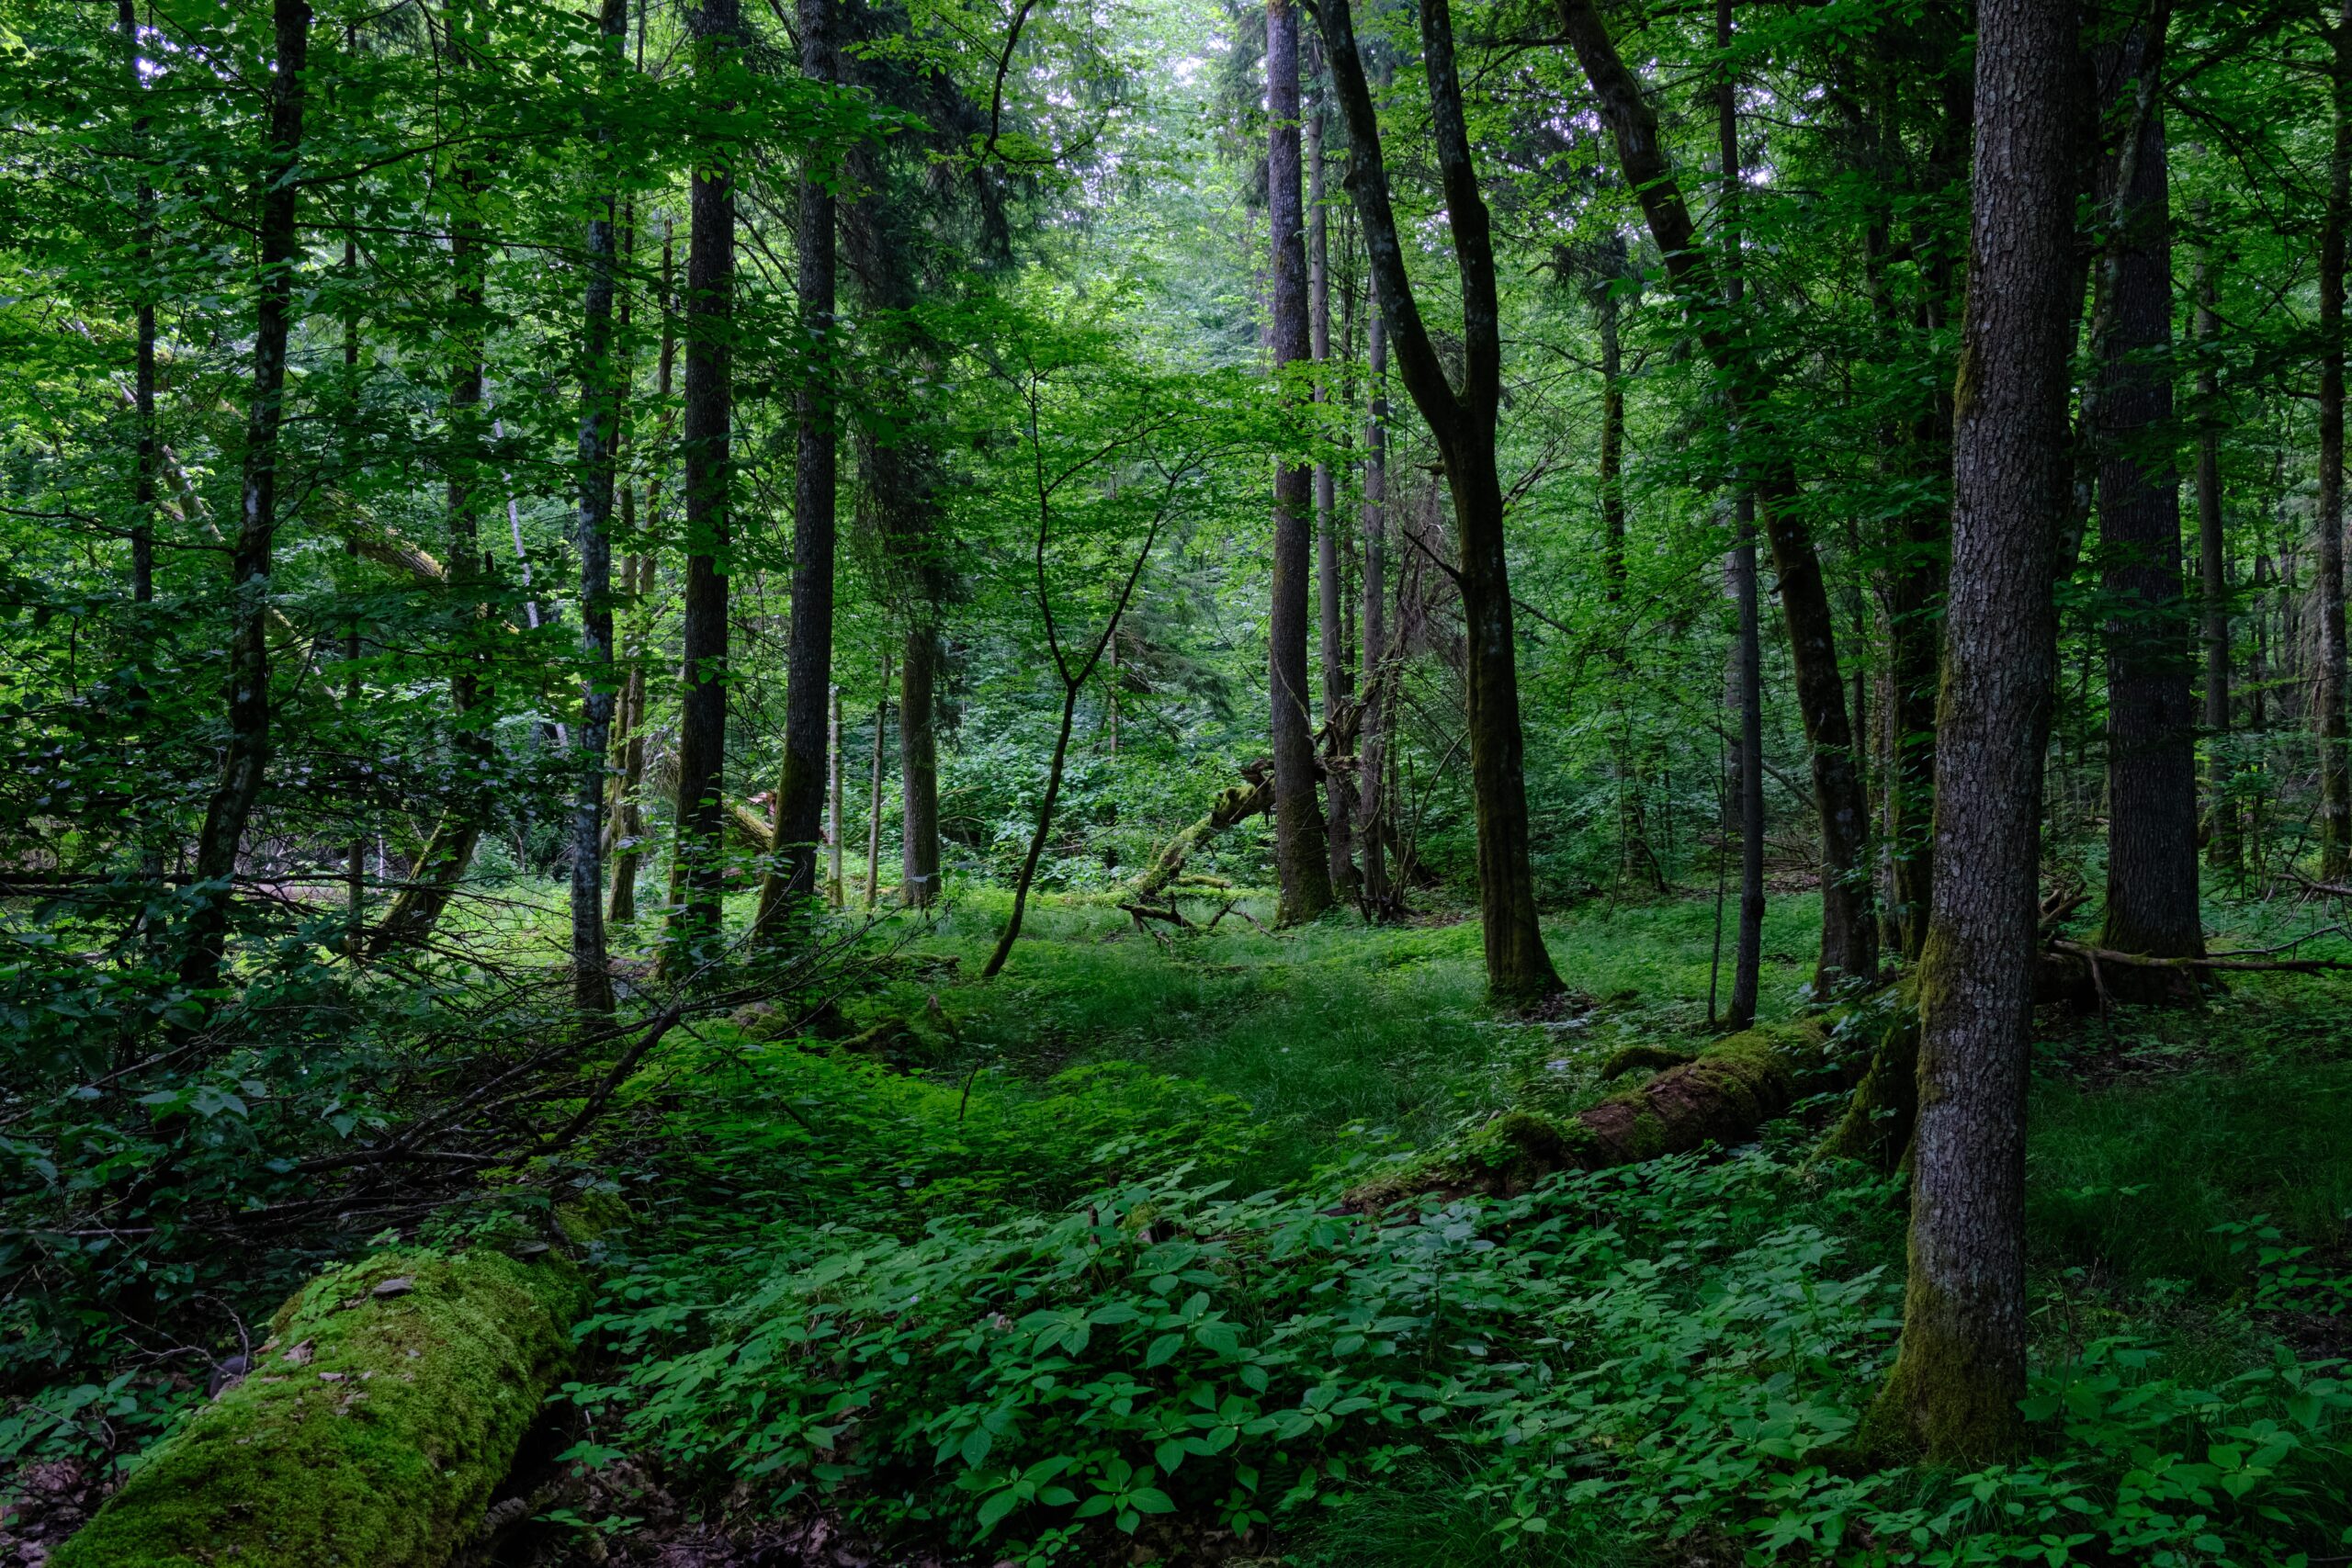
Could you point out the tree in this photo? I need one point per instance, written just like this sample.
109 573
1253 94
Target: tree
1300 851
1462 420
1748 646
2328 699
1961 1370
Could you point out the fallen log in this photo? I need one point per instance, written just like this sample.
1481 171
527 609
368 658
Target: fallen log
1139 913
1237 804
371 1429
1720 1096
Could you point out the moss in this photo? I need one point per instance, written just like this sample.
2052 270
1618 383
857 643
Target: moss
1644 1057
376 1422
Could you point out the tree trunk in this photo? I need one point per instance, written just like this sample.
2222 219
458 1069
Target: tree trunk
833 809
707 431
1301 856
800 788
2328 721
2151 738
1338 778
628 818
874 791
1849 928
1372 738
602 388
1961 1368
1748 965
1012 932
1518 969
919 769
246 756
2224 849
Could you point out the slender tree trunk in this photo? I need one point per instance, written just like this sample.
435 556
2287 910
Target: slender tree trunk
1339 782
1371 743
1748 965
2328 721
2151 735
354 869
142 478
1464 422
2224 850
833 809
1848 926
628 816
1301 855
919 769
800 789
601 391
873 792
707 430
1022 883
1961 1370
1633 832
246 757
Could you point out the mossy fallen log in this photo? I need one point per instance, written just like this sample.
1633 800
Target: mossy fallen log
1236 804
371 1431
1720 1096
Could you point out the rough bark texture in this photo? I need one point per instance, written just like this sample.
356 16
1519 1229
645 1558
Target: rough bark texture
2151 751
834 802
627 826
1371 736
707 432
1961 1368
1338 689
919 769
381 1413
1748 965
1462 420
801 790
2327 586
2224 848
1300 855
601 385
1849 927
246 757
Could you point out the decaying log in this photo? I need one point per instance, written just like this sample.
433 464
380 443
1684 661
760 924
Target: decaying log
1237 804
371 1430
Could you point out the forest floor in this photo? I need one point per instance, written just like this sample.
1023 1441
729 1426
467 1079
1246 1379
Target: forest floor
1052 1270
1661 1365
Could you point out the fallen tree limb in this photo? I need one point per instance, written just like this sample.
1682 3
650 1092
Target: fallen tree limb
2240 962
373 1428
1237 804
1139 913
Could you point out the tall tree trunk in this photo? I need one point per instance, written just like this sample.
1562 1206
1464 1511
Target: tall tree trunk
1961 1370
2224 850
833 807
1464 422
1608 312
2335 767
601 391
1301 856
627 830
707 430
142 478
874 791
808 673
1339 781
354 870
1371 741
1748 965
919 769
442 864
2151 736
246 756
1849 927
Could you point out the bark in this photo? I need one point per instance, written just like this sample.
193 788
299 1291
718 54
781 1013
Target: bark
628 816
601 392
142 478
1463 421
2225 850
1849 929
873 792
2328 720
709 460
2151 740
833 807
1301 855
246 758
1372 740
1237 804
355 871
1338 779
1961 1368
1747 960
919 769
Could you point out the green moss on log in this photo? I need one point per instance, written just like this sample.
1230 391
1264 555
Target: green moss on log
371 1432
1721 1095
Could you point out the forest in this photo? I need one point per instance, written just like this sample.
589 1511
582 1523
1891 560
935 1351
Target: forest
1341 783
